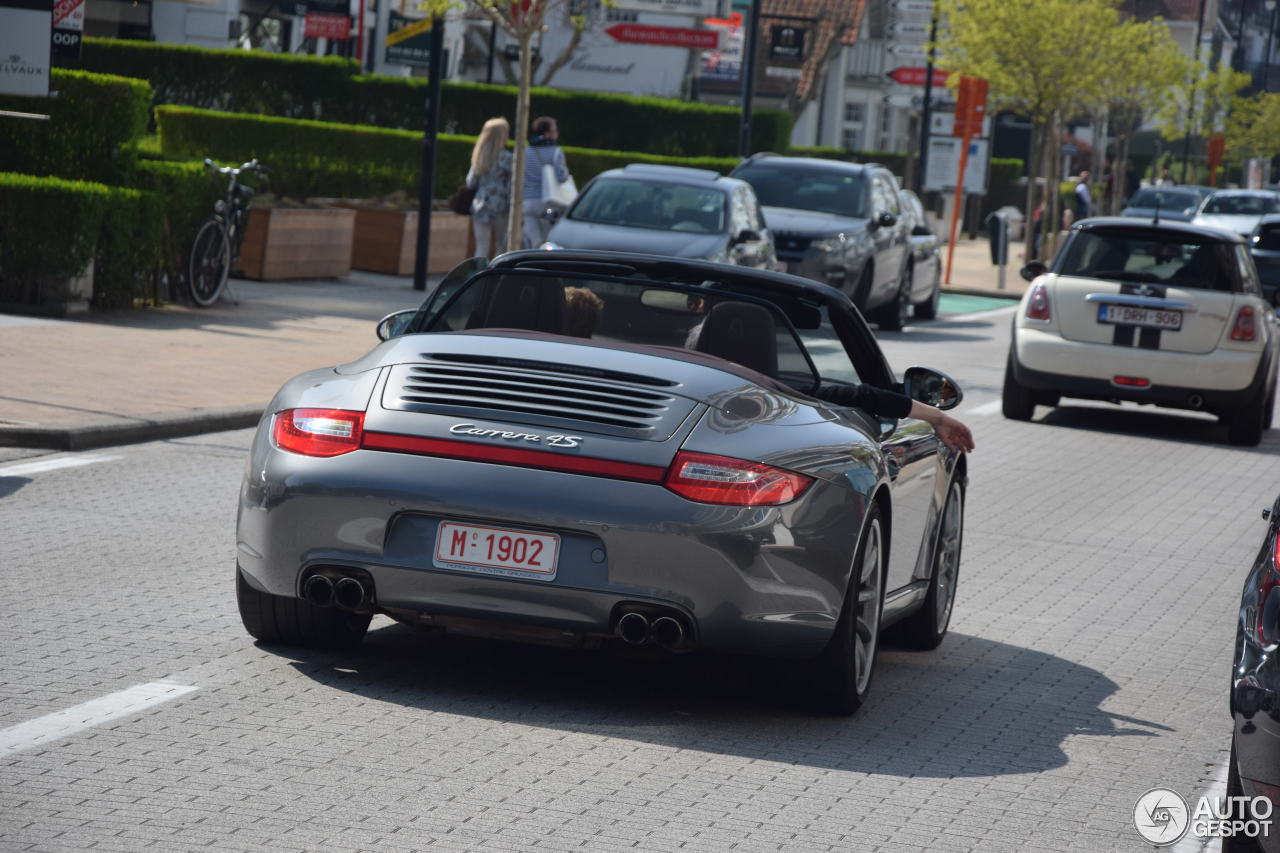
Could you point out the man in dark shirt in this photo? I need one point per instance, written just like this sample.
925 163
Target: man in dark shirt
890 404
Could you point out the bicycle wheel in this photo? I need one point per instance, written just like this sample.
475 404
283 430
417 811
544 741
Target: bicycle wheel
209 263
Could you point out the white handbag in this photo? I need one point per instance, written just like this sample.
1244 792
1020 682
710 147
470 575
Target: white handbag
556 191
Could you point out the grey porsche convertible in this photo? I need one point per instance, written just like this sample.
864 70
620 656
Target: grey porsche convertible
583 448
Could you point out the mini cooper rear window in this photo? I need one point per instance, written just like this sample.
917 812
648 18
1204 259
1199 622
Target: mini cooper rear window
1175 259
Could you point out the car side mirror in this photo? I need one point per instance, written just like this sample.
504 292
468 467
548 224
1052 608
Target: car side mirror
746 235
393 325
885 219
1033 269
931 387
921 231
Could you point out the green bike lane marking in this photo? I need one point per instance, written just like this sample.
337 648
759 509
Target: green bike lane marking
963 303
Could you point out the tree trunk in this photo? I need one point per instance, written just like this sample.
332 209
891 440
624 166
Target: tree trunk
520 138
1053 197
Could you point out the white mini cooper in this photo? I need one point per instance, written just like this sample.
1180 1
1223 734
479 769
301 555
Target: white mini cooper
1150 312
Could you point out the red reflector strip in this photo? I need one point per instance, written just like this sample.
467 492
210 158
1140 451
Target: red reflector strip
1131 381
544 459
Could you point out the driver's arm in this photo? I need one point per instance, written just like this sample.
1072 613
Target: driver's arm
890 404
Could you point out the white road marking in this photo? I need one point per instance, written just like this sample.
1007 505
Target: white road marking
21 469
1217 789
95 712
985 409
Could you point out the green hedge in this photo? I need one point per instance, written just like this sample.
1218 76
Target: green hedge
187 192
310 158
93 122
50 228
330 89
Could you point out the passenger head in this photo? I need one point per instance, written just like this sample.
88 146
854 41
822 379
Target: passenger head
585 308
544 126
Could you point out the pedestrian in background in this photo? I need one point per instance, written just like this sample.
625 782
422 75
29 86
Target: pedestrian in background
543 151
1166 179
490 177
1084 197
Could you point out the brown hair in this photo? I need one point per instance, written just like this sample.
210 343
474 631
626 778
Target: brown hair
584 311
542 125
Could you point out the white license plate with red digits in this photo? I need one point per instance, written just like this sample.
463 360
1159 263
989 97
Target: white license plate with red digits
496 551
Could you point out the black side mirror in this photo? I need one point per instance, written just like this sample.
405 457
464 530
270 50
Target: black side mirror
746 235
1033 269
931 386
554 212
921 231
885 219
393 325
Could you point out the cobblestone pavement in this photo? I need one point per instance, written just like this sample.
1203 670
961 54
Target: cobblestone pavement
1088 662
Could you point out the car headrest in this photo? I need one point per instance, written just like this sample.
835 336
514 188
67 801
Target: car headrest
742 333
534 304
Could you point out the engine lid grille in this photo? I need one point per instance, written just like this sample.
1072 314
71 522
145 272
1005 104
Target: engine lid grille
542 395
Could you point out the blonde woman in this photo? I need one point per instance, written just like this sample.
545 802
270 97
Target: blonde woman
490 177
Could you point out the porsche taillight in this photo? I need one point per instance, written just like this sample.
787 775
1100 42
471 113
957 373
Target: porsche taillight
1268 618
318 432
707 478
1244 328
1038 304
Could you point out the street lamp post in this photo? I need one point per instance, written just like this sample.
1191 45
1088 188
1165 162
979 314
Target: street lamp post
1266 55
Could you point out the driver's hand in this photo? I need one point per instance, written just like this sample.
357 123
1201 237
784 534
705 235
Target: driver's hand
954 434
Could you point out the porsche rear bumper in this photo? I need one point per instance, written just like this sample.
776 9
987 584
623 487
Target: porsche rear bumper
759 580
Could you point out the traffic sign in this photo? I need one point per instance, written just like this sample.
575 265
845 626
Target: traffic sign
917 7
971 106
665 36
909 30
915 76
915 51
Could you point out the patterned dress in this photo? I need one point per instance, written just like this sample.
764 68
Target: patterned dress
493 190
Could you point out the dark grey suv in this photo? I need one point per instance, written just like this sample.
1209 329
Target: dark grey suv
842 224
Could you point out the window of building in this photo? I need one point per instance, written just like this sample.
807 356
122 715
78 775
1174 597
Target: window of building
851 139
855 113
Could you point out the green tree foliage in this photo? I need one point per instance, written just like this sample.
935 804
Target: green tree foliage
1201 101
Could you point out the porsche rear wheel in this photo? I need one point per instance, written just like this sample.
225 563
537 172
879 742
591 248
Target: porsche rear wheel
842 677
925 628
294 622
1016 402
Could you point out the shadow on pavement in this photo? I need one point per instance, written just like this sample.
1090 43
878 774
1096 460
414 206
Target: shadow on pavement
1149 422
973 707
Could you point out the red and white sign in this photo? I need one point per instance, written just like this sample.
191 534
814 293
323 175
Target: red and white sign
665 36
69 14
915 76
336 27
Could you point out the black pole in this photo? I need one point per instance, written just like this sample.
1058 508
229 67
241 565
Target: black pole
749 78
1238 59
926 113
1191 106
427 189
493 37
1266 58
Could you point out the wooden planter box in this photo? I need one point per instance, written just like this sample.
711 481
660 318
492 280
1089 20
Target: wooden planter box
283 243
386 241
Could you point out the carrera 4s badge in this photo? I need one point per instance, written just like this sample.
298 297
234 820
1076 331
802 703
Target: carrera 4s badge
509 435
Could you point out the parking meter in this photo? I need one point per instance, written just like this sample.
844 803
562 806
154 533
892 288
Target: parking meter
998 238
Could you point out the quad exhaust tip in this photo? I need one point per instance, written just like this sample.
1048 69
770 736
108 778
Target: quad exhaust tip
318 590
634 628
667 632
348 593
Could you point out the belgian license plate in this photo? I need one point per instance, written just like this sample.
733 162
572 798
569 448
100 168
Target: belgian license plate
496 551
1150 318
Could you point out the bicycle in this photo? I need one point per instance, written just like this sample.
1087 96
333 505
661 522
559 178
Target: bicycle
217 242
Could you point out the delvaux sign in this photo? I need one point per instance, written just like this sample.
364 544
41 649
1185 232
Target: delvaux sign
25 46
665 36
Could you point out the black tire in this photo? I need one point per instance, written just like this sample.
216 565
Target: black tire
1016 402
862 290
892 316
209 262
926 628
928 309
1246 425
1269 408
1234 844
294 622
840 677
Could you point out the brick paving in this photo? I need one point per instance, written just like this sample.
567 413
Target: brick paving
1087 663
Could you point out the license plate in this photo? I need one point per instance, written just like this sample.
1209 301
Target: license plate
496 551
1150 318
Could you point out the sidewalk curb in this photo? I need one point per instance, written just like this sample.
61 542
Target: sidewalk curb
976 291
92 434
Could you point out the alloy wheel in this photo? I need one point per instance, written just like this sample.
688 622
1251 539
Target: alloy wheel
866 624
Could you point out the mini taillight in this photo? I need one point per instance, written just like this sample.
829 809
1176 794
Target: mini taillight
707 478
1244 328
1131 381
1038 304
318 432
